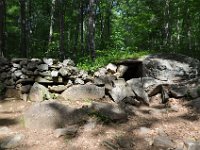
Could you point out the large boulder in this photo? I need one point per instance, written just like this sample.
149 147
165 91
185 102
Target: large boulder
38 93
139 90
82 92
171 67
118 93
49 115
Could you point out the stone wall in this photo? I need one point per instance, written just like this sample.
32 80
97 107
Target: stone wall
131 81
22 73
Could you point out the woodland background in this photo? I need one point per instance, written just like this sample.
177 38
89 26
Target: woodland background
89 28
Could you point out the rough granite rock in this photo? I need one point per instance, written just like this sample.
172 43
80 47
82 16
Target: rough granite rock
111 67
118 93
137 87
52 115
12 141
38 93
83 92
178 91
171 67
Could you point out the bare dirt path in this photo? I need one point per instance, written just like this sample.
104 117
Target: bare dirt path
137 133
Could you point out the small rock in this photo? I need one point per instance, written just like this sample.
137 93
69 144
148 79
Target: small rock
48 61
68 62
79 81
125 142
64 72
44 73
192 145
5 130
32 65
144 131
16 65
131 100
42 80
39 93
163 142
71 131
103 80
43 67
100 72
24 62
57 89
17 60
12 141
54 73
178 91
112 68
18 73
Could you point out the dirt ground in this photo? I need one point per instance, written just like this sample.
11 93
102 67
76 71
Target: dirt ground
137 133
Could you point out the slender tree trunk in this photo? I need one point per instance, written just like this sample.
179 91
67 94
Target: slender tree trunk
30 26
23 41
77 31
2 27
53 3
167 23
91 29
62 27
178 28
81 26
186 29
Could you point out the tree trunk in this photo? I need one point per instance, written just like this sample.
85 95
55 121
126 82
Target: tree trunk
62 27
23 41
53 3
167 24
2 27
91 29
81 26
30 28
186 29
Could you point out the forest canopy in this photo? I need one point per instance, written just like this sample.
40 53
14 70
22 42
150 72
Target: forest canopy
77 28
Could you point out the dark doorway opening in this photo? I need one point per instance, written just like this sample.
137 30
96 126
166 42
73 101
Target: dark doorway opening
134 70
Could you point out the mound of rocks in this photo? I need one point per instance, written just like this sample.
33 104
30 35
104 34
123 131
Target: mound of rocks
132 81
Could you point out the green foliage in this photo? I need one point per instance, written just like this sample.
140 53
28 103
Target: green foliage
165 26
100 117
106 56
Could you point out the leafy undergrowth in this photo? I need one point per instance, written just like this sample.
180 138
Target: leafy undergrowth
107 56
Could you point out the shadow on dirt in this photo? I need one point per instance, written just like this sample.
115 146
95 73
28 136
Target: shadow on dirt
8 122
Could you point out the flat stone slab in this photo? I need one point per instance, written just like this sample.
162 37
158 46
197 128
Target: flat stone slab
83 92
